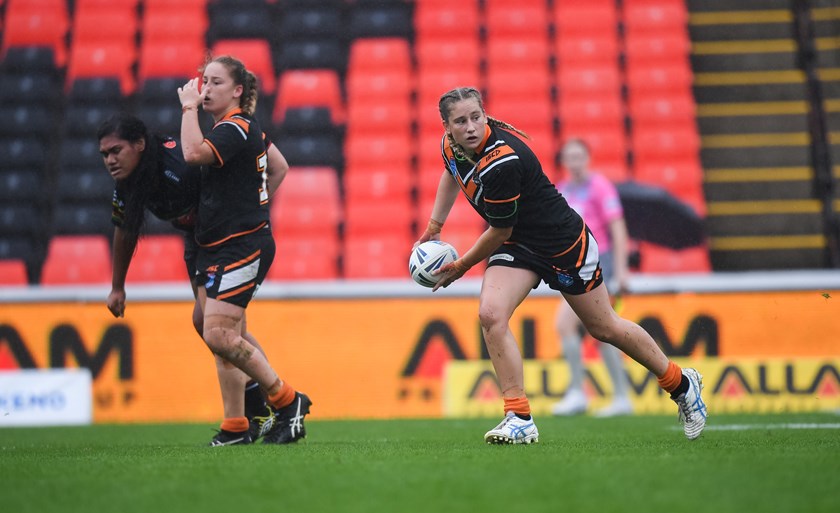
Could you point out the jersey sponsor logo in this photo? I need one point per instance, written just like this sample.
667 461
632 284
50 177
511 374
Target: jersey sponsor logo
170 144
172 176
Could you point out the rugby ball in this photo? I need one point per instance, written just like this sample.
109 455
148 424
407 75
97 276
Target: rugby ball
429 257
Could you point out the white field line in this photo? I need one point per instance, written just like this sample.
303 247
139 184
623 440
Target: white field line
749 427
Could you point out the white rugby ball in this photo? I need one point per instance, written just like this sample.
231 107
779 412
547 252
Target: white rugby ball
428 257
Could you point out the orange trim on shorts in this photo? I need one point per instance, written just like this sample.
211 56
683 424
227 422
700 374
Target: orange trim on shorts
582 233
244 261
261 225
235 291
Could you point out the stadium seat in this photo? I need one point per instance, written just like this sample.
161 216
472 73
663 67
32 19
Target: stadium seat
391 19
21 247
657 110
378 184
655 18
432 84
372 118
174 25
307 120
442 20
301 21
385 85
436 55
13 272
20 219
22 153
661 49
97 25
315 52
309 185
309 88
653 78
379 54
302 210
85 184
86 218
34 25
255 54
39 61
683 178
578 114
365 150
304 257
381 257
519 84
114 59
600 48
575 19
663 144
77 260
522 20
159 258
657 259
518 53
23 119
242 21
178 58
21 185
589 81
393 216
311 149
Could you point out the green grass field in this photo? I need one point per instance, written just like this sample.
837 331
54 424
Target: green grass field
631 464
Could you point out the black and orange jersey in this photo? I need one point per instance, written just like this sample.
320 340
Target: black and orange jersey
176 186
234 193
508 188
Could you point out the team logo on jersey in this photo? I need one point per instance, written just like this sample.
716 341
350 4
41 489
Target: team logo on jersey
211 280
453 168
170 144
565 279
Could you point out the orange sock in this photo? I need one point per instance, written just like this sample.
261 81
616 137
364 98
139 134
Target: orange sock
235 424
518 405
282 397
672 377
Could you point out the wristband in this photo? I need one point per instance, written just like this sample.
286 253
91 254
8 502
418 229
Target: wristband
185 108
460 266
434 226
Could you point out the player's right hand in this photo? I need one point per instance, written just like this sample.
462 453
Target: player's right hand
116 302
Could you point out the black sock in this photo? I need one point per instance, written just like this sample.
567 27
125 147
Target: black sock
523 417
254 400
683 388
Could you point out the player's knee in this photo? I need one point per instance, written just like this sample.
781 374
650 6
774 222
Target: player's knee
491 317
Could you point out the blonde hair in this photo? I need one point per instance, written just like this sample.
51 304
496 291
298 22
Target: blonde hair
241 76
465 93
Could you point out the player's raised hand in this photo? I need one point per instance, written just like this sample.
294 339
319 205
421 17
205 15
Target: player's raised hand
190 95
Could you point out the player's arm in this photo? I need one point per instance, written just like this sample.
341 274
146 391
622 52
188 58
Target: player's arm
486 244
123 250
446 195
618 232
196 151
277 169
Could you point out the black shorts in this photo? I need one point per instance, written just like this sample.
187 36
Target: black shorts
233 271
574 271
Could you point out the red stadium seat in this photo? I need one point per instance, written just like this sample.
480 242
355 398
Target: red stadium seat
93 25
159 258
578 114
13 272
255 54
307 202
77 259
519 53
589 81
438 54
657 259
517 19
366 150
592 49
656 110
443 19
533 117
386 217
658 144
91 60
582 19
372 118
168 24
507 83
309 88
381 257
661 49
655 18
653 78
180 58
123 5
304 257
383 85
31 26
377 54
378 184
681 177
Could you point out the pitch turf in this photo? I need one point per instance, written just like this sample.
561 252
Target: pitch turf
761 463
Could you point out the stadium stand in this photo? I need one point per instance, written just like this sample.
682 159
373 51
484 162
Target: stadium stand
80 259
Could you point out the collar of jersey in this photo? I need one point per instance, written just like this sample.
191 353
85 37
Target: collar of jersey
480 149
231 113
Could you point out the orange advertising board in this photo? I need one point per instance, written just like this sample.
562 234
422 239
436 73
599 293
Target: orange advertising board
372 358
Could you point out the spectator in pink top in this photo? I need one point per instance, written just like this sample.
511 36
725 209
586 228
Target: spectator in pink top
595 198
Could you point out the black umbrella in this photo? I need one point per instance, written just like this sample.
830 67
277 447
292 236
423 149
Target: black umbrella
653 215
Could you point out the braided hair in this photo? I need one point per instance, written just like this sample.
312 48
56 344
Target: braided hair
241 76
142 183
465 93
